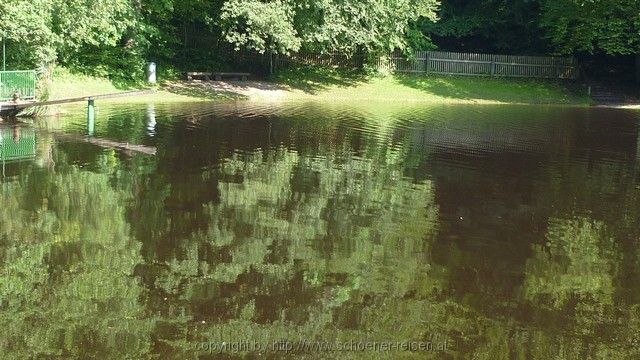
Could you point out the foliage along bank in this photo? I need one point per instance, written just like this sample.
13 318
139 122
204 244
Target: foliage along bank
116 37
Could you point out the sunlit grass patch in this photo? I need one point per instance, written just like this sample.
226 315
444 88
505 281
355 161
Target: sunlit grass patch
327 83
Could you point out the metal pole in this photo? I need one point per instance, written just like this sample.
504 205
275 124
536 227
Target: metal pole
4 55
91 117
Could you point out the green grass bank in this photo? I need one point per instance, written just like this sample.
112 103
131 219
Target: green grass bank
64 84
329 84
324 84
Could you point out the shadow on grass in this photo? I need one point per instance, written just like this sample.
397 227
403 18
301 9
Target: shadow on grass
313 79
201 91
494 89
438 86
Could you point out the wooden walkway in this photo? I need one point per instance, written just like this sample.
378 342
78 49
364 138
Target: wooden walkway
14 108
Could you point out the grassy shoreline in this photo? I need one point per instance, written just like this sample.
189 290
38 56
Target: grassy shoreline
65 84
329 85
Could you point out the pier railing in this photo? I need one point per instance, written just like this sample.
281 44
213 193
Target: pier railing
22 83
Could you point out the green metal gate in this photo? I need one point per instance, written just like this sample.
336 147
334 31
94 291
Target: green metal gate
22 82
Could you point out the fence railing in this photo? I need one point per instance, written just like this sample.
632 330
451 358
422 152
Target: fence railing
453 63
450 63
21 82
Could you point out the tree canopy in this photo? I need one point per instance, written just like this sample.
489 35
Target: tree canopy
328 25
116 37
488 26
612 27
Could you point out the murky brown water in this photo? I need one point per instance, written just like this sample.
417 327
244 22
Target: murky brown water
454 232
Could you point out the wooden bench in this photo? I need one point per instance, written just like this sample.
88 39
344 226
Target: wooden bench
241 75
206 76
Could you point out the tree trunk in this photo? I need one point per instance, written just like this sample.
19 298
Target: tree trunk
271 64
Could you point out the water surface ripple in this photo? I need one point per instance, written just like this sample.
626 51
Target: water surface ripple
258 229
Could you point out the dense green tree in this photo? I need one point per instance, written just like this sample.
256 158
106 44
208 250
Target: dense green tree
506 26
78 23
97 34
368 26
345 26
25 25
610 26
115 38
262 26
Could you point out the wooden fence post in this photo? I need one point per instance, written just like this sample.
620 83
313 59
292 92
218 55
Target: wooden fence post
426 62
493 67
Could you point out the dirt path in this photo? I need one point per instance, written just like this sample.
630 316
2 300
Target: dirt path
255 90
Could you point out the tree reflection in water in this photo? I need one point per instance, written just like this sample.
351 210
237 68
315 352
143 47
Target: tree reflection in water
322 224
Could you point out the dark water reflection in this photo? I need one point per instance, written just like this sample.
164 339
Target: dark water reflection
500 231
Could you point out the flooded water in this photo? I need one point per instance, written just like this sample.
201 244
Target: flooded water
444 232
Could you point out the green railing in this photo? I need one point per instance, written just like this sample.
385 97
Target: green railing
17 144
21 82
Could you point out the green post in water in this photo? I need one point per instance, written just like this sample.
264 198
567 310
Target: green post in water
91 117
